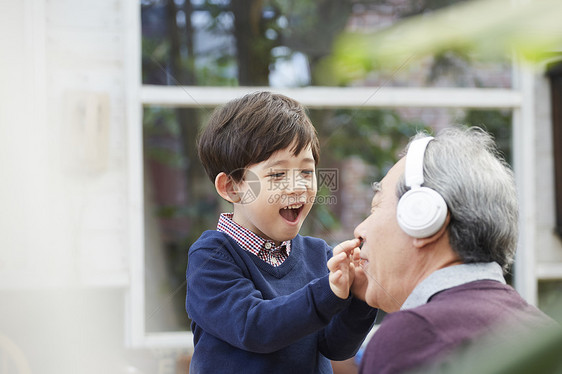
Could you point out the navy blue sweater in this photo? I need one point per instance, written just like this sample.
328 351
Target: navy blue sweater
248 316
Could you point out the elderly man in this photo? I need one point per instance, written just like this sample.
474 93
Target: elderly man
442 230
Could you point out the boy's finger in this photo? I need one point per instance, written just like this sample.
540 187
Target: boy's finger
335 277
336 261
346 246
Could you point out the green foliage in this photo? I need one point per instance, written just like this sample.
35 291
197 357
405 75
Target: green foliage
489 29
160 121
376 136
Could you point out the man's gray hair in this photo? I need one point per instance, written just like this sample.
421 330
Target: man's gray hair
466 168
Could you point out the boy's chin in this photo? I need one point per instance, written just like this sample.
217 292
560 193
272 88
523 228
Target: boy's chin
288 234
287 237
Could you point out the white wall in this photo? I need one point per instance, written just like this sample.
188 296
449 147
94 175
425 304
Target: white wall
64 263
63 129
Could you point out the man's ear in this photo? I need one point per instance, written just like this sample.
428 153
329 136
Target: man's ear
422 242
226 188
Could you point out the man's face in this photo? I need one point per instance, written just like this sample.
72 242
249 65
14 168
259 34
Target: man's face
277 195
386 248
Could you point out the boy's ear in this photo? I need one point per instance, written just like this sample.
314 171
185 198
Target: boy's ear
226 188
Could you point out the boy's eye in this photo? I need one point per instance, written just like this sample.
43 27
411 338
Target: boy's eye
279 175
308 173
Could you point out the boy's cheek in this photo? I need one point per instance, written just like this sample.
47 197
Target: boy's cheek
313 192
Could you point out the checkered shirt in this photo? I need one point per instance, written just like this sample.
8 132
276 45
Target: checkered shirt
264 249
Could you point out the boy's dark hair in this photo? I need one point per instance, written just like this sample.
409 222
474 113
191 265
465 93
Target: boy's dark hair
248 130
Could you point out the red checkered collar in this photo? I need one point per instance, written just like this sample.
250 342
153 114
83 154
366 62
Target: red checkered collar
246 238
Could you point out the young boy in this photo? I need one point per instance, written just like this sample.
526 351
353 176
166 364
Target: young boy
262 298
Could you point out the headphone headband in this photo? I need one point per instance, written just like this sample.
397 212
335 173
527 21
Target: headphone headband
413 172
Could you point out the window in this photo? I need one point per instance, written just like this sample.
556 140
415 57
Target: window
197 55
555 77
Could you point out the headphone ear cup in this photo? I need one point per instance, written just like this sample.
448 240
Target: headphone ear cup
421 212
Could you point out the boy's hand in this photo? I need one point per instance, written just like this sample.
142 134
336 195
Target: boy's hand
359 286
342 268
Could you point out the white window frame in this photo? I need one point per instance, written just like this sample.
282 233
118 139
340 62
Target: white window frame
519 99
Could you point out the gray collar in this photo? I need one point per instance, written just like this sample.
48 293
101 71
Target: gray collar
450 277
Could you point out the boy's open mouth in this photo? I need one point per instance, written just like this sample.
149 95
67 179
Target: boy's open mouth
291 213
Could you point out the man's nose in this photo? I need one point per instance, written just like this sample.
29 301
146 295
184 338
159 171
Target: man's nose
359 232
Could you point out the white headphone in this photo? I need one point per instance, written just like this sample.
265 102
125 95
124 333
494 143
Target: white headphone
421 211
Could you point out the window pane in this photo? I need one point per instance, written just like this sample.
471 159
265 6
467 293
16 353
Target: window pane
287 44
179 206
